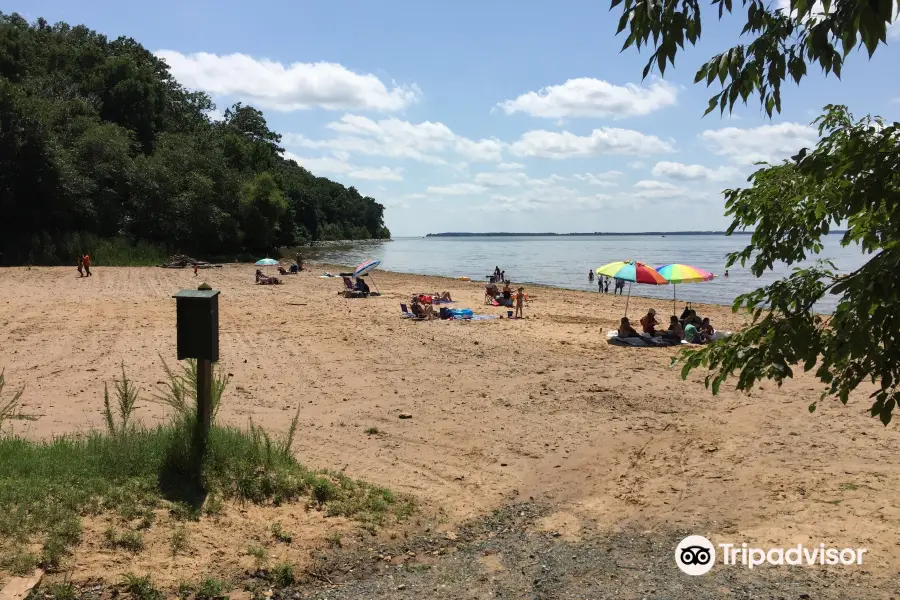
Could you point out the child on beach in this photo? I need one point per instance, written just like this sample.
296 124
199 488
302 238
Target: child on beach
520 302
86 261
606 286
80 265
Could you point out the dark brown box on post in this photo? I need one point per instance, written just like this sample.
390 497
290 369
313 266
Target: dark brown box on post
198 324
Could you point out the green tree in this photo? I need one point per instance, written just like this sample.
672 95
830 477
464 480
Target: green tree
851 177
263 206
98 140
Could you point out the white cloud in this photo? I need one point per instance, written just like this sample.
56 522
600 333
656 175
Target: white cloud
324 164
604 179
297 86
649 189
637 164
769 143
334 165
606 140
456 189
515 179
587 97
510 166
396 138
685 172
556 198
377 174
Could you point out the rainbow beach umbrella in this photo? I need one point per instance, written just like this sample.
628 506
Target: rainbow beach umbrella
677 273
632 272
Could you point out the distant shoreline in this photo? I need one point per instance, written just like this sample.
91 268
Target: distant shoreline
594 234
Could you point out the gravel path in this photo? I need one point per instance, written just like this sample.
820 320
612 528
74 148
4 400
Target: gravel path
505 556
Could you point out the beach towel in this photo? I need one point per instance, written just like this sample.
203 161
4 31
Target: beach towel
645 341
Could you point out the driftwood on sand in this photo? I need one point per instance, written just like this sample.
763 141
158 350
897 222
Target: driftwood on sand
182 261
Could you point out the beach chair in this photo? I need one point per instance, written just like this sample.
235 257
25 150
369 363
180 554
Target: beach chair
349 290
406 314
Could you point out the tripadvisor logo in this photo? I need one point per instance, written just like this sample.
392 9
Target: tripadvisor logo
696 555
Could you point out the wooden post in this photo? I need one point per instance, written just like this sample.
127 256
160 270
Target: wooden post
204 402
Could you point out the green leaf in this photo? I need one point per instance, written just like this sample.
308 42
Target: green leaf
623 21
812 408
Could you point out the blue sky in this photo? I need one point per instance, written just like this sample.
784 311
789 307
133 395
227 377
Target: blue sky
465 116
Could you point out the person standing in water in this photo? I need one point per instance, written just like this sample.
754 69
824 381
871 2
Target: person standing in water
590 277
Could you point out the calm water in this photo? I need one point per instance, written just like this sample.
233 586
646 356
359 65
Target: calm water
565 261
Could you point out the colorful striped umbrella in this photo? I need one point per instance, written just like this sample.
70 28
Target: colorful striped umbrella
365 268
678 273
632 272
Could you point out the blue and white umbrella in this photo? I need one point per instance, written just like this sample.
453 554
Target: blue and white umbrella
366 268
266 262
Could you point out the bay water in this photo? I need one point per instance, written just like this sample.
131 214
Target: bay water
564 261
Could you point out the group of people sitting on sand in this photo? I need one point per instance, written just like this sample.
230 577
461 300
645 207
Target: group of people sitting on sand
422 305
293 269
689 327
262 279
497 296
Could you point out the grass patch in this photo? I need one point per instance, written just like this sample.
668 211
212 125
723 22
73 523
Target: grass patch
21 563
849 487
280 535
372 431
209 588
131 470
179 541
259 554
141 588
283 575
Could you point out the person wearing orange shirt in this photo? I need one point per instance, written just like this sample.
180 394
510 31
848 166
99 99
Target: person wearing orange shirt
87 265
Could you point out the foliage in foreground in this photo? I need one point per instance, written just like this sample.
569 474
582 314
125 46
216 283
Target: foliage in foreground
851 178
794 205
104 152
46 486
784 41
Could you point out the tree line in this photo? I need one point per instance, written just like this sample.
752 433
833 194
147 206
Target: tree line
99 142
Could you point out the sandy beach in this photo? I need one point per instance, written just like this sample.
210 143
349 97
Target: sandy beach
502 410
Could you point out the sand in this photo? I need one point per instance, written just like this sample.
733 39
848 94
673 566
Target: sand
502 410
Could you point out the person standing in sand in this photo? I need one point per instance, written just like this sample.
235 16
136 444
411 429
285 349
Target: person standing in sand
86 261
520 303
80 265
606 286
